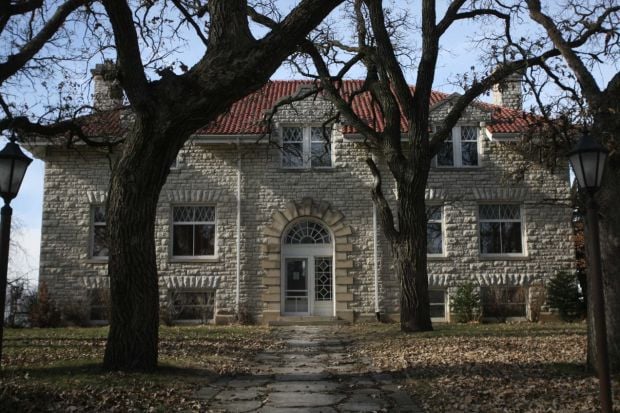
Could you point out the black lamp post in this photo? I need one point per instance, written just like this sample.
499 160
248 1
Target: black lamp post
13 165
588 162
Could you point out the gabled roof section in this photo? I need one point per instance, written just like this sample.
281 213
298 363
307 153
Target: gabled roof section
245 117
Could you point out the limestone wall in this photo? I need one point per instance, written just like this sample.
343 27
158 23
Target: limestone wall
207 173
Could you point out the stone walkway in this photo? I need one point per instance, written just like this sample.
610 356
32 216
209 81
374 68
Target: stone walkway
313 373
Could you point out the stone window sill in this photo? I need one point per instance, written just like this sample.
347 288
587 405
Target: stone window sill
186 260
307 170
504 257
455 168
97 260
437 258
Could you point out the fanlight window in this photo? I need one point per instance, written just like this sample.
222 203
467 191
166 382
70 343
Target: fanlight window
307 232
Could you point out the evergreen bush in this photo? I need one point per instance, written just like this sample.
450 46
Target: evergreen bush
466 303
564 295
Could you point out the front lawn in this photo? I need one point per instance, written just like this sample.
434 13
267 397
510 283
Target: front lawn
59 369
520 367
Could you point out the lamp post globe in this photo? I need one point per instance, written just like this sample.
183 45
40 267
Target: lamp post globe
13 165
588 160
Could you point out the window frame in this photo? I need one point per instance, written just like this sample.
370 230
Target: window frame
170 296
93 224
457 148
442 222
306 132
446 302
182 258
521 220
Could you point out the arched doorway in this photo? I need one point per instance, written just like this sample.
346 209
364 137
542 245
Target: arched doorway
308 269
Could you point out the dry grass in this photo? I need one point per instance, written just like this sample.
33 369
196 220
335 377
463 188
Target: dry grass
59 369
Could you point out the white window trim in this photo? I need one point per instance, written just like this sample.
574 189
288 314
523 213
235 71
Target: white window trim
457 149
523 252
306 131
446 303
91 246
443 231
185 258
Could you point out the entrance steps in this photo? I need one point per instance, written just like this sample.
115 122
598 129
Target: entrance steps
306 321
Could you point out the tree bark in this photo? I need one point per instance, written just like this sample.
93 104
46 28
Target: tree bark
409 251
131 208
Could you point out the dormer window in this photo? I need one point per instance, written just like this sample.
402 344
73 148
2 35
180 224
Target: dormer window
460 149
306 147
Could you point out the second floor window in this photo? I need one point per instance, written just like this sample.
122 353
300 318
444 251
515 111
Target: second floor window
193 231
306 147
460 149
99 231
500 229
434 233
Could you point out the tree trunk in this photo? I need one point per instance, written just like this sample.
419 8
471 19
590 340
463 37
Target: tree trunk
609 228
134 191
410 259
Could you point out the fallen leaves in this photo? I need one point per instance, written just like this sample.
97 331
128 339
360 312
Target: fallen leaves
519 368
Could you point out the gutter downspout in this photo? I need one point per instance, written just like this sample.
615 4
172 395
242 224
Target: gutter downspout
238 263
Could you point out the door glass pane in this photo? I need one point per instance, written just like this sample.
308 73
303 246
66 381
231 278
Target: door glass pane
296 292
323 279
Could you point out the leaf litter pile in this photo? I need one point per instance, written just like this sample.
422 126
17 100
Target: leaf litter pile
59 369
487 368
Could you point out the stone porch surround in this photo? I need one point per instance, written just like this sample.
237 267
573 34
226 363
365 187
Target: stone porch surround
271 262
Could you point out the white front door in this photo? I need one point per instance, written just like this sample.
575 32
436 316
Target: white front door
308 285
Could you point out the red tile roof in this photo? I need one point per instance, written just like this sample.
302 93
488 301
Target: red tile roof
245 116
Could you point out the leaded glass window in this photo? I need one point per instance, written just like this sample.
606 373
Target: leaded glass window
322 278
307 232
469 146
99 241
460 149
292 147
320 147
193 231
500 229
306 147
445 157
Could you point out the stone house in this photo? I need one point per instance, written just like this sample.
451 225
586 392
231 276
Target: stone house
273 221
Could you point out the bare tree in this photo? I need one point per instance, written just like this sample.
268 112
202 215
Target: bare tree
408 151
593 97
166 112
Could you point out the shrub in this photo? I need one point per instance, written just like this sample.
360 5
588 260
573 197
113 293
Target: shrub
502 301
244 316
466 303
76 314
563 294
42 311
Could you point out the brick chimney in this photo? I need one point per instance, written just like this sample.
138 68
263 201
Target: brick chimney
108 92
509 93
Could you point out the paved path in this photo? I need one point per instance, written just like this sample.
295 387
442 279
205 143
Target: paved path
313 373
